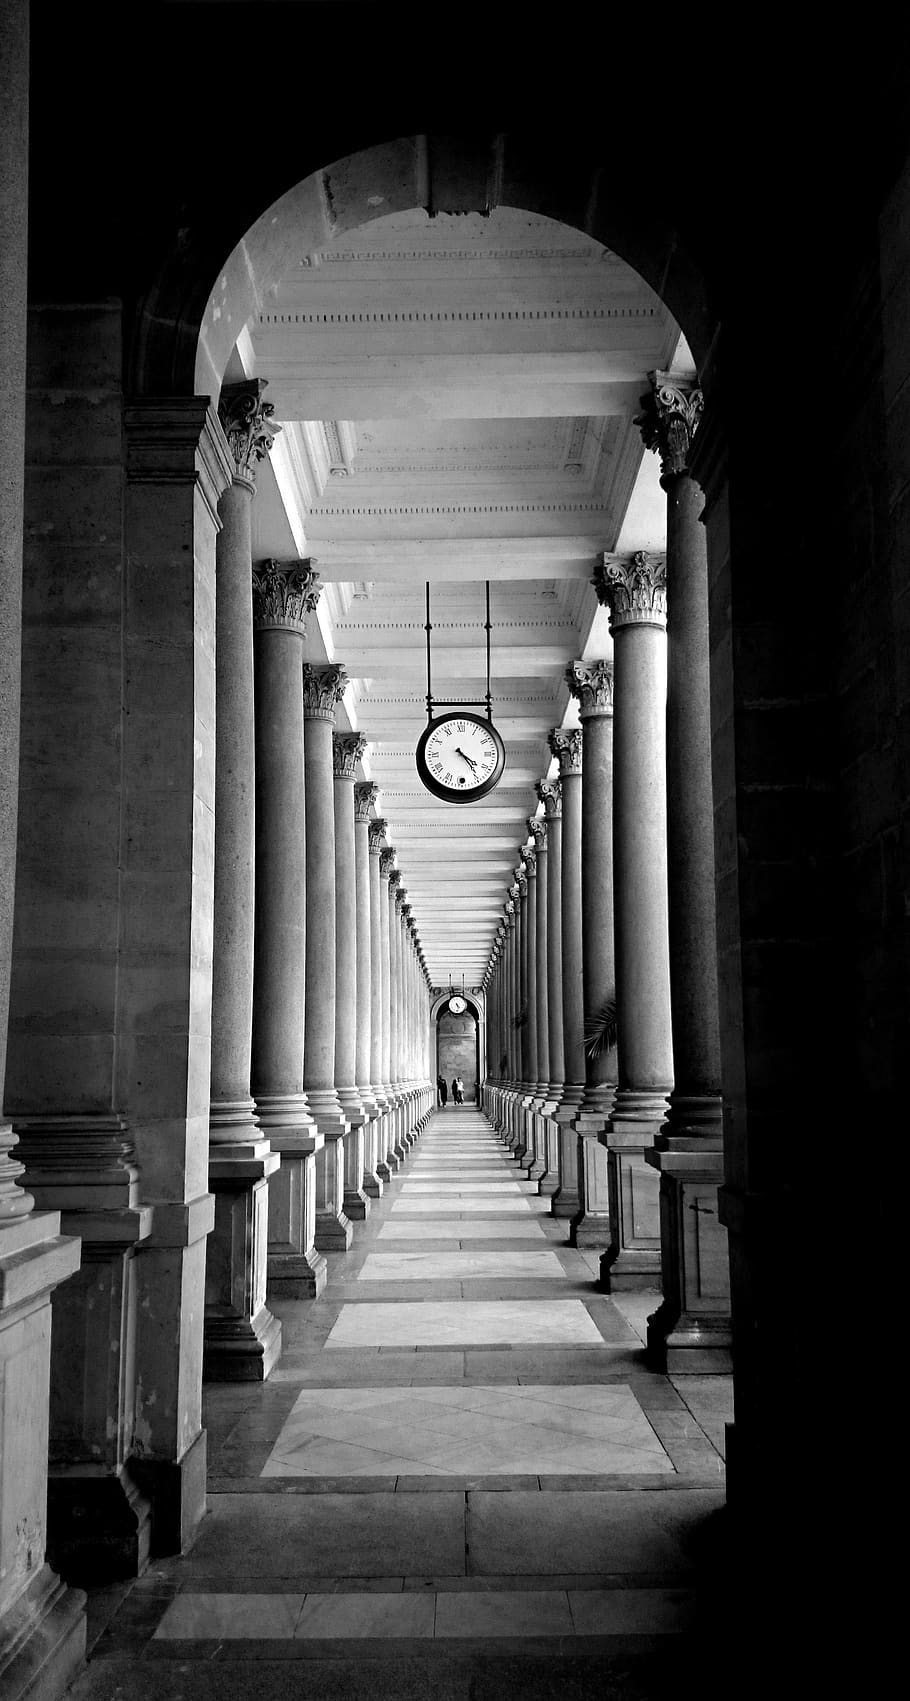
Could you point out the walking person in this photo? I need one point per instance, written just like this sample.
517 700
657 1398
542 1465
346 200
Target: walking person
442 1091
458 1090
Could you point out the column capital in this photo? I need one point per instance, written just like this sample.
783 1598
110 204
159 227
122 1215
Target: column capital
347 749
322 689
592 683
246 421
634 588
521 881
550 794
671 414
531 863
284 593
537 827
406 911
566 743
378 830
387 862
508 912
366 797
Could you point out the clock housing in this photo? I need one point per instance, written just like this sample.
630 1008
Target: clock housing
460 757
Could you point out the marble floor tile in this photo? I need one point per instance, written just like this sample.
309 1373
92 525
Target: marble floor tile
458 1229
360 1614
632 1612
469 1322
230 1617
492 1189
441 1205
459 1266
504 1612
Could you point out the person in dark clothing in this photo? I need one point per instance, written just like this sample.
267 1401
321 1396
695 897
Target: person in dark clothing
442 1091
458 1090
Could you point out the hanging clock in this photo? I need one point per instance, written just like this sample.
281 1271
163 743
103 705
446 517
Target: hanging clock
457 1004
460 756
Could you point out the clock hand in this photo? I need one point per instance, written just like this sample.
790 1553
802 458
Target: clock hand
471 764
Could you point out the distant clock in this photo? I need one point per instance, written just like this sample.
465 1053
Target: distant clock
457 1004
460 757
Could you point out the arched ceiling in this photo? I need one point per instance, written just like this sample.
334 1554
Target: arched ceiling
456 395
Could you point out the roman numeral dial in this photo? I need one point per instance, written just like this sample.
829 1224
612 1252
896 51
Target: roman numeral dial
460 757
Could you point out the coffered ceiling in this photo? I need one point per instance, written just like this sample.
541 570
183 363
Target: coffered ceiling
456 396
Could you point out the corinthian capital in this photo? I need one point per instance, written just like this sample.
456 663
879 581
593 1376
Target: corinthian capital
347 749
592 683
521 881
386 862
246 420
537 827
394 880
670 416
366 797
531 863
634 588
550 794
284 593
323 687
566 742
378 830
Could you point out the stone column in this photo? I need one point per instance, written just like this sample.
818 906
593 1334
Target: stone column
692 1327
566 745
378 1041
395 1012
322 687
537 827
42 1624
550 794
242 1338
386 865
592 683
365 798
635 591
347 749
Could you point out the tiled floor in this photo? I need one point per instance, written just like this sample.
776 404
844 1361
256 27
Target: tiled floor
461 1481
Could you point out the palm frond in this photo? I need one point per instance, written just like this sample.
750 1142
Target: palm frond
601 1029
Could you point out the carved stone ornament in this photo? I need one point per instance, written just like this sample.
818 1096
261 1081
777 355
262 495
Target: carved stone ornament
671 414
537 827
407 912
386 861
394 877
366 797
550 794
634 588
566 743
531 864
246 420
523 883
323 687
347 749
510 911
592 683
378 830
284 593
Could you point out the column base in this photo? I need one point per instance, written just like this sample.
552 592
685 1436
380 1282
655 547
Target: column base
567 1201
689 1345
691 1332
589 1229
625 1270
373 1185
633 1259
241 1349
42 1640
176 1491
296 1275
334 1232
99 1525
357 1203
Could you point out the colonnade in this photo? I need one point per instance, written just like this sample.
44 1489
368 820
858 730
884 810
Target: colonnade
314 959
603 1033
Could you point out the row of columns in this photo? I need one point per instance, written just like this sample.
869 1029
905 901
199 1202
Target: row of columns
610 1093
320 1010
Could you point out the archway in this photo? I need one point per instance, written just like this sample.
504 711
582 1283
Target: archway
460 1044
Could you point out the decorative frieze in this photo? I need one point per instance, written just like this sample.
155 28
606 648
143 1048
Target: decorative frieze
592 683
566 744
323 687
634 588
671 414
550 795
366 797
284 593
246 420
347 749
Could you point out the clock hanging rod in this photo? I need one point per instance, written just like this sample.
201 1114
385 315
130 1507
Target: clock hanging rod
459 702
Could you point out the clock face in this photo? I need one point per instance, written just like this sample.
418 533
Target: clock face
460 757
457 1004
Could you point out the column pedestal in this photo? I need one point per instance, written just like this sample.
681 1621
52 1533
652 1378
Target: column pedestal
632 1260
296 1270
242 1338
691 1331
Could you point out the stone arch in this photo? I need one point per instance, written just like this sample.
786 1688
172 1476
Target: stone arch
208 285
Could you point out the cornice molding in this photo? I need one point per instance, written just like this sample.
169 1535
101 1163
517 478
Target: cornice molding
178 440
284 593
354 319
